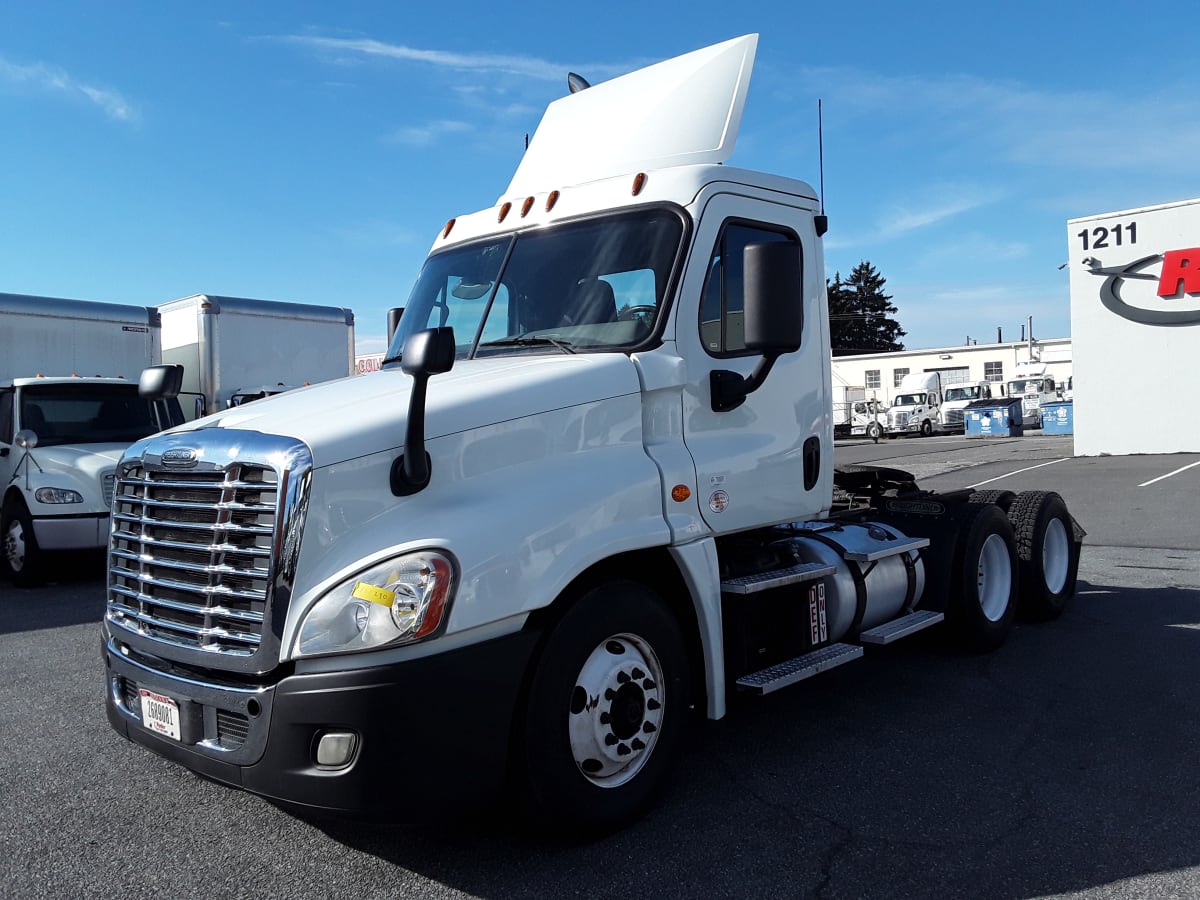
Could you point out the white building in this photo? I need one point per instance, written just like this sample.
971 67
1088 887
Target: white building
878 375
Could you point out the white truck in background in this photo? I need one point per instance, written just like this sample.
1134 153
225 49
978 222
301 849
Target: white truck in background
70 372
590 494
1032 383
234 350
959 396
916 408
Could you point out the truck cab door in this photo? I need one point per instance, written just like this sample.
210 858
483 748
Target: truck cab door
769 459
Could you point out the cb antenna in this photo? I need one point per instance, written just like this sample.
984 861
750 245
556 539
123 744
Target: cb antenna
821 221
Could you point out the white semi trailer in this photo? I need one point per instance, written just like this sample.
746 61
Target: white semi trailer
234 349
591 492
69 406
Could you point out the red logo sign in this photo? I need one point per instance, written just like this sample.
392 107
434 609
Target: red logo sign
1178 277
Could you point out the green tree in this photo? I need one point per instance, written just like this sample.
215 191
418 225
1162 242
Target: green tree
861 314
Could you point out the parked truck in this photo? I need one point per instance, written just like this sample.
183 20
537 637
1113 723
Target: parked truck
591 492
1033 384
916 408
958 397
234 350
69 406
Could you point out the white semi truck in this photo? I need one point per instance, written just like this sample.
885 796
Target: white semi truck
590 494
70 372
959 396
234 350
917 406
1032 382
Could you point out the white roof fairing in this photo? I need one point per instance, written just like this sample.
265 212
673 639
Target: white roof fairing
685 110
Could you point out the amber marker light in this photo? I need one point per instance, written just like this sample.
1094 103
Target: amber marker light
551 200
680 492
504 211
526 207
639 182
449 225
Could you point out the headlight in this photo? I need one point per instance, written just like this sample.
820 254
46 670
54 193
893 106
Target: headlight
57 495
396 602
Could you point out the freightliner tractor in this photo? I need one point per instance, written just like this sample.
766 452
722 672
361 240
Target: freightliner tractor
590 494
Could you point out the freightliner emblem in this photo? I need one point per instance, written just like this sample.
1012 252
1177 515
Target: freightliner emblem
179 458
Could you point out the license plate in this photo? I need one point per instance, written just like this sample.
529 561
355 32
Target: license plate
160 714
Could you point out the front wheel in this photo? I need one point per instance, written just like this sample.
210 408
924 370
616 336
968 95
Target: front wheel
926 428
605 709
874 432
21 558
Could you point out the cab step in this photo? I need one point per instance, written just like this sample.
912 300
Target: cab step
772 678
901 627
765 581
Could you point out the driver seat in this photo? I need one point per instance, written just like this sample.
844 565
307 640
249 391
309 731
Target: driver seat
592 303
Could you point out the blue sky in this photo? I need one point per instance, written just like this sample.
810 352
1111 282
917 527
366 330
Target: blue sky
310 151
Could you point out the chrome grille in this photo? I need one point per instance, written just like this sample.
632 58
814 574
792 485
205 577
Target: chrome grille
898 419
190 555
954 417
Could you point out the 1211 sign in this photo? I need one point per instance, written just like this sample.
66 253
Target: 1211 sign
1101 236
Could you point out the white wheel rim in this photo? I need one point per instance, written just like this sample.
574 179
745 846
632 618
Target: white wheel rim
616 710
1056 556
14 545
994 578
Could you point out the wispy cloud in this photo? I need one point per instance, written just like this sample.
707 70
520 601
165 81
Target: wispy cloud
345 48
428 134
42 78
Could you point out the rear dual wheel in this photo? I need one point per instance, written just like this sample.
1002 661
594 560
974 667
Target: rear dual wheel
1047 553
983 587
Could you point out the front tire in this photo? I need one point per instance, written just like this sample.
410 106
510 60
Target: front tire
983 587
21 558
606 706
874 432
926 428
1047 553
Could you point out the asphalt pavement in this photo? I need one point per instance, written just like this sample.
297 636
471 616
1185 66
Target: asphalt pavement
1060 765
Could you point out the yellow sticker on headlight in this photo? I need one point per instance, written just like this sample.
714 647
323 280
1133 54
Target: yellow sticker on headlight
373 594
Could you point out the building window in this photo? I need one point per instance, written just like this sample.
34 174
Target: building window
872 378
898 376
993 371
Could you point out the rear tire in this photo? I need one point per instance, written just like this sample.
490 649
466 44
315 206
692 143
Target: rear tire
1047 553
874 432
1002 499
606 706
20 557
983 585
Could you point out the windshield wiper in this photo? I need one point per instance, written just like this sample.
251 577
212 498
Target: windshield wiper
521 341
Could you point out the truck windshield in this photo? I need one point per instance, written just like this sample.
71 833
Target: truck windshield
1025 386
910 400
598 284
962 393
86 414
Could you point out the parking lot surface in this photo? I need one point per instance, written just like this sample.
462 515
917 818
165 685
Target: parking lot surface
1063 764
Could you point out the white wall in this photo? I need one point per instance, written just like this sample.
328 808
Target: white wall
1136 352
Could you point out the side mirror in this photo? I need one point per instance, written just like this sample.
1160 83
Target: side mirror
393 322
426 353
160 382
773 317
26 439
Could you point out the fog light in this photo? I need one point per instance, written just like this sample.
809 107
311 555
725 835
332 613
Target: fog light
336 748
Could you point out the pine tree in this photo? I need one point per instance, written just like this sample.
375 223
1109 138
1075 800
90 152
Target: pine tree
861 314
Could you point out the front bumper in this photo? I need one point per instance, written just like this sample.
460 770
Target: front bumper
433 733
71 532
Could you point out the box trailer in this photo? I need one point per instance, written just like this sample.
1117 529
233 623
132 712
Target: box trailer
235 349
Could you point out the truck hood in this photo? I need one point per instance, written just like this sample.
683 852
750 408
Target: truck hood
365 414
90 460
